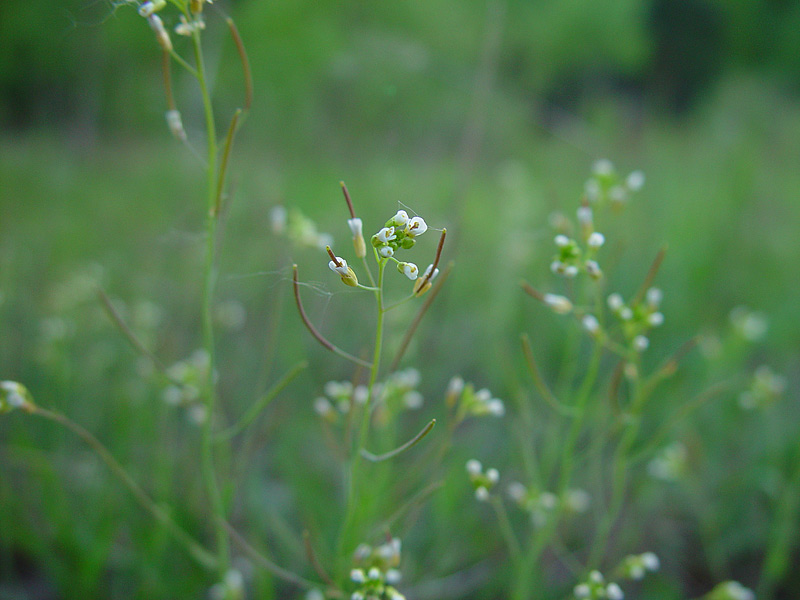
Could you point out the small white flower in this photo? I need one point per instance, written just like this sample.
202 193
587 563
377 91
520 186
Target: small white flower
336 389
640 343
386 251
548 500
483 395
591 324
360 394
615 302
656 319
357 576
341 268
393 576
635 181
593 269
603 167
15 394
428 271
374 574
400 219
654 297
357 596
582 591
618 194
198 414
147 9
410 270
482 494
559 304
356 226
416 226
456 386
496 407
596 577
516 491
570 271
322 406
614 592
650 561
557 267
578 500
474 467
314 594
175 124
585 216
596 240
626 314
561 241
395 595
493 475
386 235
413 400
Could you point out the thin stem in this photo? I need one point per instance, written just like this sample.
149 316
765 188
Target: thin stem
418 318
255 410
194 548
505 527
248 77
313 330
209 472
223 167
409 444
353 483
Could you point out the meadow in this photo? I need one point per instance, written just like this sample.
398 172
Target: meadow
608 450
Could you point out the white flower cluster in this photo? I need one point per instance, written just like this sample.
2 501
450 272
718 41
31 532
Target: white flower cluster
472 403
398 392
300 230
401 232
187 379
571 259
542 504
749 324
636 566
482 482
606 186
376 571
230 588
765 387
596 588
638 318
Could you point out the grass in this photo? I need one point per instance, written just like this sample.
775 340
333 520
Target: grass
720 195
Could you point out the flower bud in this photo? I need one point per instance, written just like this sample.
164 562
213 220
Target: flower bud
358 237
157 25
13 396
175 124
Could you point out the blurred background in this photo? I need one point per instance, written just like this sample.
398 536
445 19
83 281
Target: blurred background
483 117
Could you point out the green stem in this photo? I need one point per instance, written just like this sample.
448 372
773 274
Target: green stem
505 527
159 514
353 482
210 276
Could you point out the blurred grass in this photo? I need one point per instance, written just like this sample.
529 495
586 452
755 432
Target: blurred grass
720 194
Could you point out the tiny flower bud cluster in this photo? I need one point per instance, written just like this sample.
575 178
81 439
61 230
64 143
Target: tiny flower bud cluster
542 504
471 403
187 377
606 186
670 463
571 259
15 396
596 588
375 571
730 590
189 27
765 388
637 319
636 566
482 482
400 232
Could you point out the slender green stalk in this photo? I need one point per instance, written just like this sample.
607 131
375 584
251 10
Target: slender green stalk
353 477
191 545
210 277
505 527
